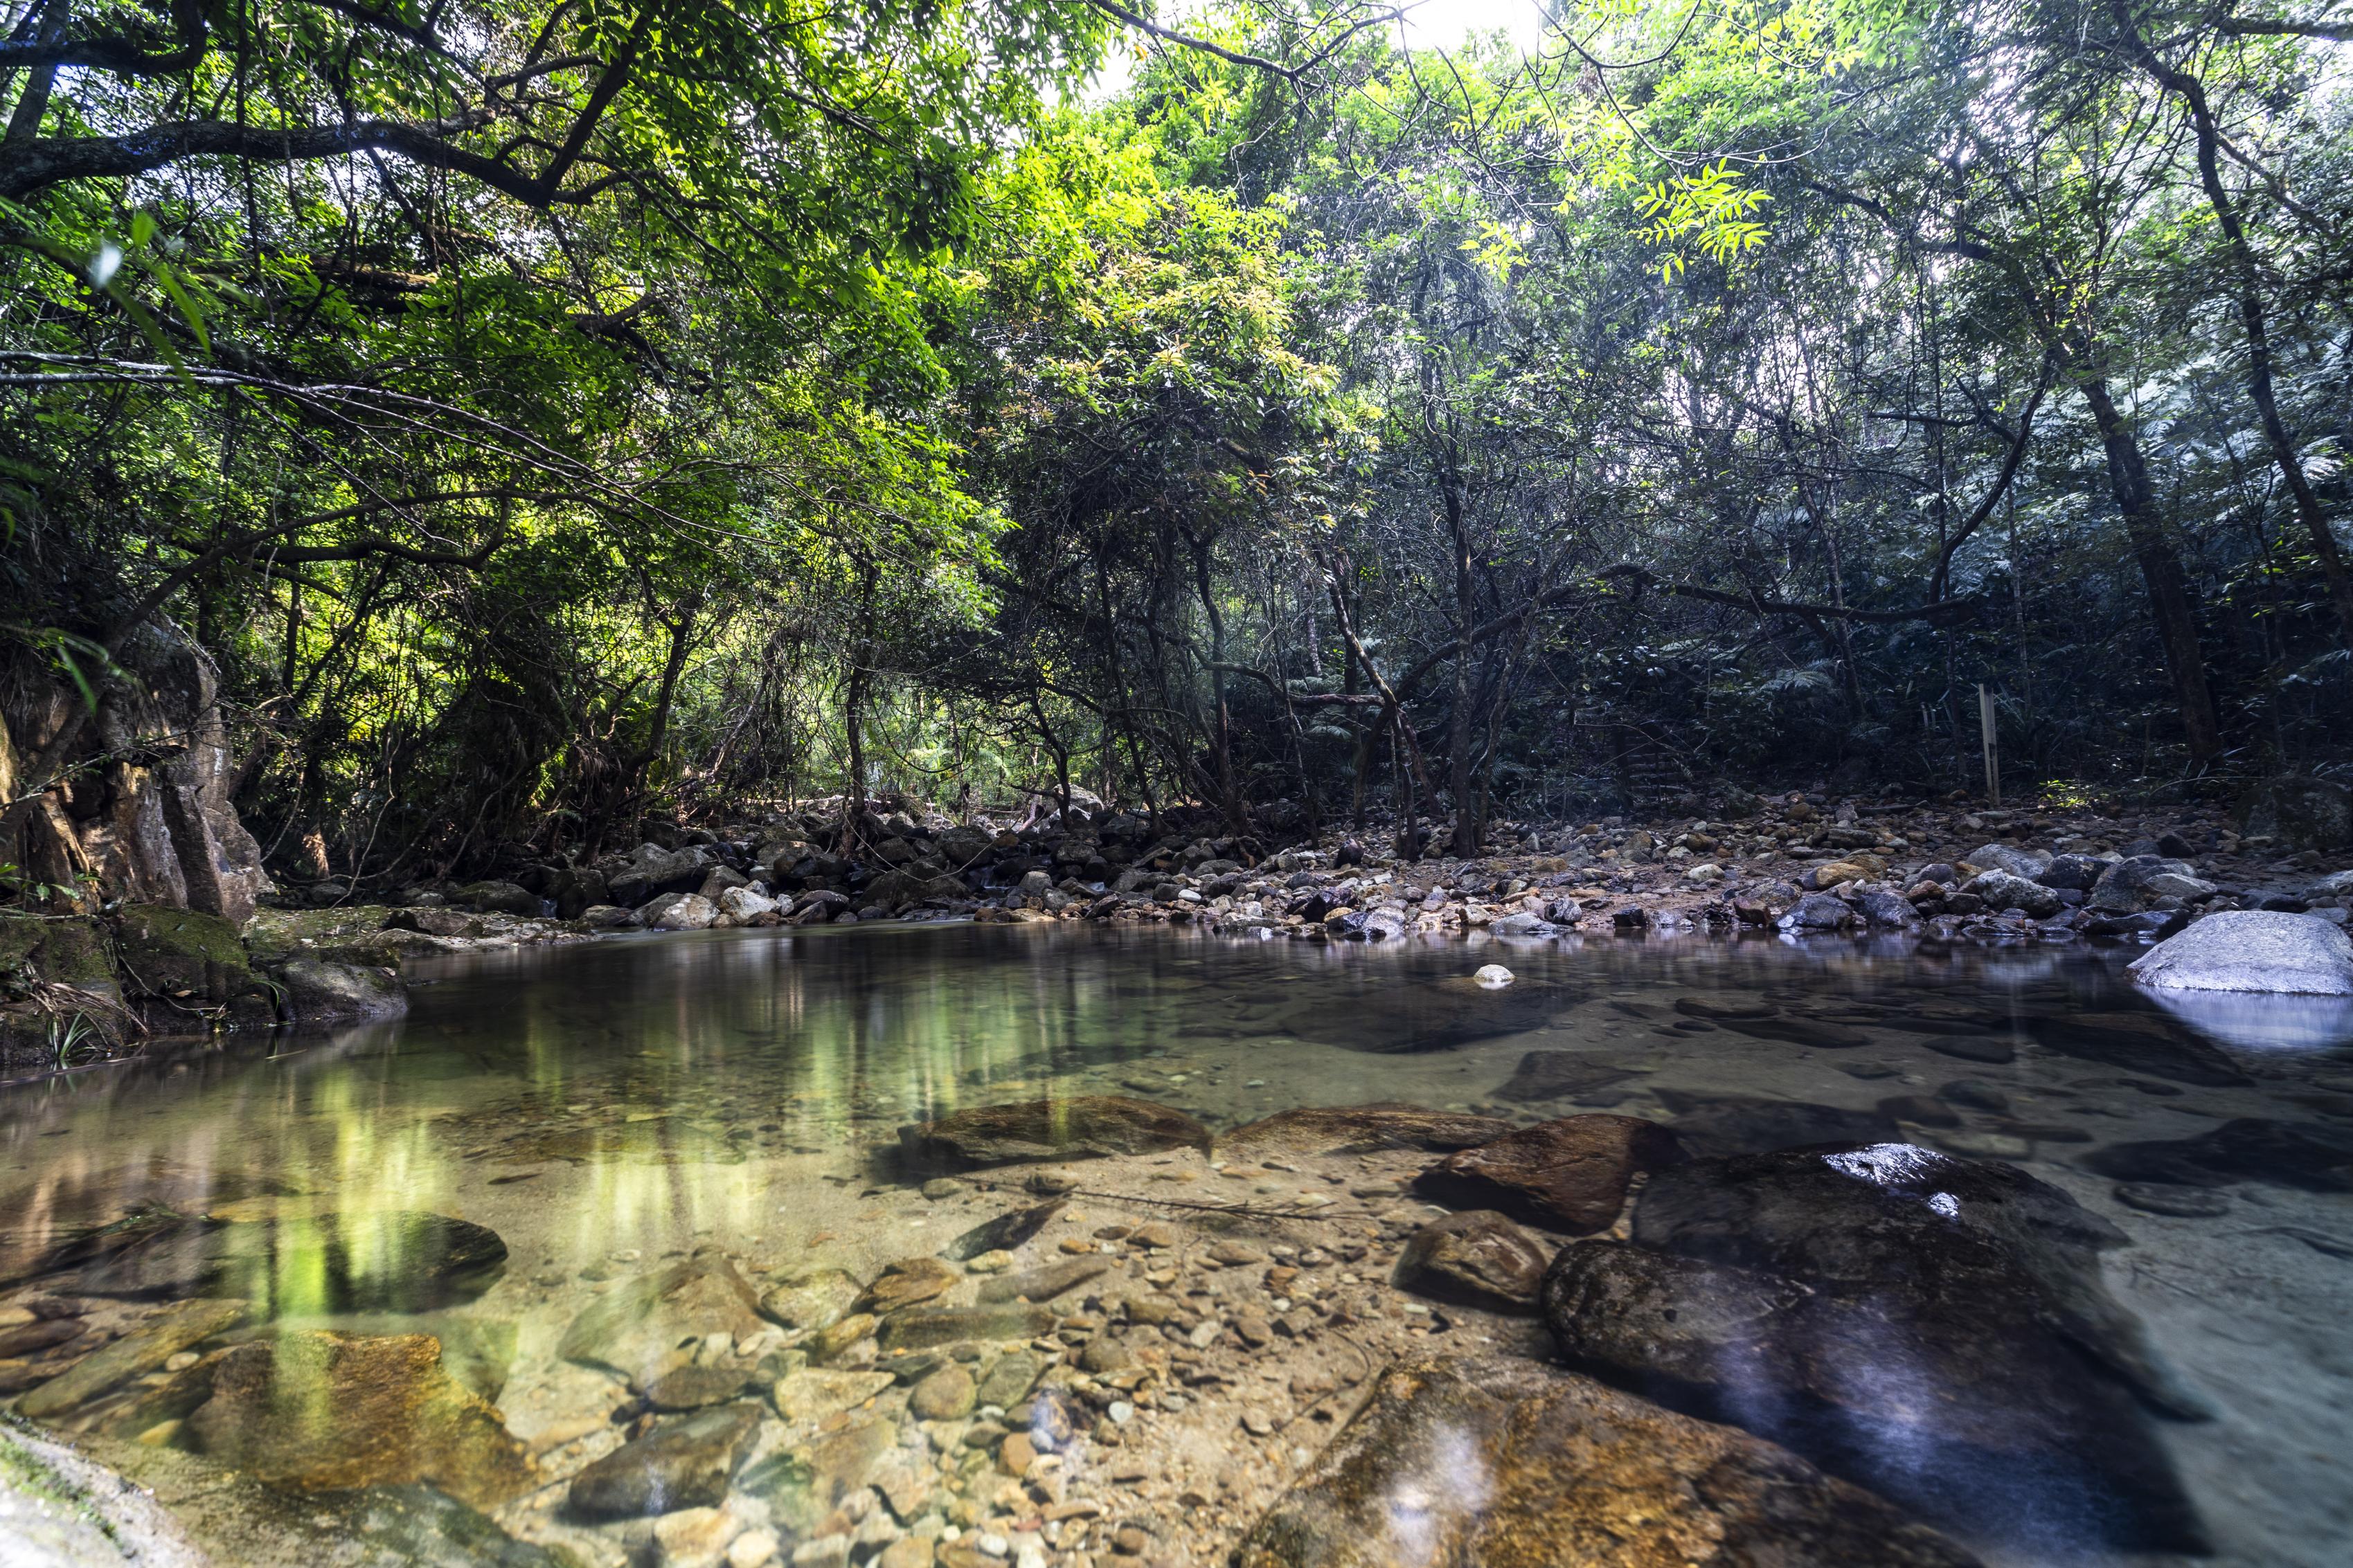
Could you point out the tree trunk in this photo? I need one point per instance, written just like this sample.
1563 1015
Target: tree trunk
2169 601
2253 316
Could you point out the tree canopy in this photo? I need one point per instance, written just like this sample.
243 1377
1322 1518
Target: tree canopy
545 414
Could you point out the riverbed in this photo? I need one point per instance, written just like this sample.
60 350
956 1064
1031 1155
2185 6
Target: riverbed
614 1109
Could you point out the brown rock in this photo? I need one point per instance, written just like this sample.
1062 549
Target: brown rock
1080 1127
1153 1236
1045 1283
946 1395
636 1328
686 1463
1358 1130
317 1411
836 1340
926 1327
1570 1175
144 1349
1478 1258
1576 1476
907 1282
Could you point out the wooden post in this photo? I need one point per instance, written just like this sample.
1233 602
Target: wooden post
1992 749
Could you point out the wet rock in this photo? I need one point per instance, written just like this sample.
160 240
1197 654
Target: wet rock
142 1349
1009 1378
1939 1403
1003 1234
1801 1030
2123 886
1995 1050
321 1411
814 1392
1427 1015
679 911
496 897
1976 1094
1569 1174
2253 949
1475 1258
1888 912
1950 1337
684 1463
921 1328
1045 1283
2073 873
2002 891
1920 1109
906 1283
2181 1203
698 1387
2010 860
2147 1043
1558 1075
816 1299
59 1509
637 1329
1818 912
2306 1155
1851 1216
1736 1125
1358 1130
293 1258
947 1394
1075 1128
1575 1473
319 992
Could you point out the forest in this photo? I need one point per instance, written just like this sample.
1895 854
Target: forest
492 424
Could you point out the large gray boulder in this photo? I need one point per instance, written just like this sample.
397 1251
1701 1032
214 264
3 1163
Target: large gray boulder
2253 949
2126 885
2011 891
680 911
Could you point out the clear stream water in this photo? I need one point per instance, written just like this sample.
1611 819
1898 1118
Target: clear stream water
602 1105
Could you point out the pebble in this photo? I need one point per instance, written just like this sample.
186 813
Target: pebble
1121 1412
942 1187
1258 1423
1493 976
1156 1233
753 1549
2182 1203
995 1262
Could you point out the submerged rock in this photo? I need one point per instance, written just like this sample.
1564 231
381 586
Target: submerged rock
1045 1283
2253 949
141 1351
924 1327
2149 1043
638 1327
58 1509
1933 1327
1003 1234
1570 1175
1559 1074
1508 1464
291 1259
2247 1149
1358 1130
683 1463
817 1299
1476 1258
1078 1127
906 1282
1736 1125
319 992
316 1412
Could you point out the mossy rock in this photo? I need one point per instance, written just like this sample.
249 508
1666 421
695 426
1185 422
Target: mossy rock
183 952
69 951
276 935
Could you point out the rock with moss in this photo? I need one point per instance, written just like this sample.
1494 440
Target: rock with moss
184 955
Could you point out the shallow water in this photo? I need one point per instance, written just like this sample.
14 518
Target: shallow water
602 1106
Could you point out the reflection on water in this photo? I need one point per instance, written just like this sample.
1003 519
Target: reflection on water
545 1122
